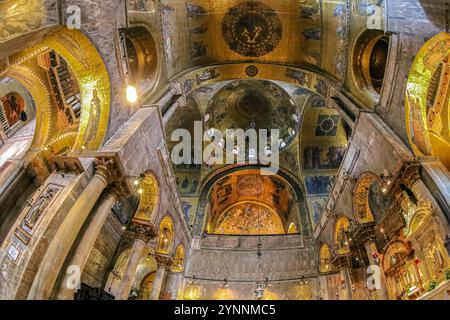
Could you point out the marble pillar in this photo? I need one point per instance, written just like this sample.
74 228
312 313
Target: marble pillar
344 273
371 250
53 260
87 242
137 252
164 263
141 234
172 285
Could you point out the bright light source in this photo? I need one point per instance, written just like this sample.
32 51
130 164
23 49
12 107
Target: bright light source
136 182
132 95
140 191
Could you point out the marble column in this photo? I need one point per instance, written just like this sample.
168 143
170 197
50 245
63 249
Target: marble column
141 234
164 263
344 273
170 112
172 285
89 237
53 260
137 252
371 250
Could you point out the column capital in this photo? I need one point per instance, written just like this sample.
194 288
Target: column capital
144 232
163 260
105 169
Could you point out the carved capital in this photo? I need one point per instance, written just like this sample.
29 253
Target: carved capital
164 261
144 232
105 169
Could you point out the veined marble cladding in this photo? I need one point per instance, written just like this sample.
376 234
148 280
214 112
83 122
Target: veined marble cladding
19 261
235 258
102 253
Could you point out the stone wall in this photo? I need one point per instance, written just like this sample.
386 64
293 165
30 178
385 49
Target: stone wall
285 260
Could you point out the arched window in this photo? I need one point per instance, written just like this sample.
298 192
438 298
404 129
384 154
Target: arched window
325 258
341 239
178 261
427 100
165 236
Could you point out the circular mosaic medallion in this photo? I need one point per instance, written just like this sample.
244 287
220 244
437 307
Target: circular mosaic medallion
252 71
252 29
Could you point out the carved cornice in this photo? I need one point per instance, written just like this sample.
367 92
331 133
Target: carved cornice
66 164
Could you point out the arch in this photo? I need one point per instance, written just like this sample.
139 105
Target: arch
115 276
41 96
325 258
427 100
165 235
370 55
204 76
200 222
362 211
179 258
147 286
149 199
396 250
143 66
341 240
92 77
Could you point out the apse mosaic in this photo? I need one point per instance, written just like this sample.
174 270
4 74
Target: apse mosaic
250 219
269 197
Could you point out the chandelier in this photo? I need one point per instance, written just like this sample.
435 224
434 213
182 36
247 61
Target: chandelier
261 282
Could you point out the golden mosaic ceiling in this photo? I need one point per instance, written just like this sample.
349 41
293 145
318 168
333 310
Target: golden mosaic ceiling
302 33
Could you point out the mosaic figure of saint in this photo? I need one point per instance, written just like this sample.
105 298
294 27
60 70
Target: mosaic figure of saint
94 117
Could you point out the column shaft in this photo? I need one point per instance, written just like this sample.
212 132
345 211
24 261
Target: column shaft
87 242
66 235
158 283
371 249
136 254
172 285
345 275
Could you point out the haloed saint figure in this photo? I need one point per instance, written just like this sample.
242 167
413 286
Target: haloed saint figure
94 118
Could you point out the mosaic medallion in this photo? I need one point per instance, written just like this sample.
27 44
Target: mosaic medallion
252 29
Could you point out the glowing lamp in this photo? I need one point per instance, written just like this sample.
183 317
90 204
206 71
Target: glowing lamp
132 95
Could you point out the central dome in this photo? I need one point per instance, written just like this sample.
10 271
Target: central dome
254 104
